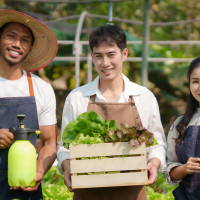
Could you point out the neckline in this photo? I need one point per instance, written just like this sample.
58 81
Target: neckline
22 77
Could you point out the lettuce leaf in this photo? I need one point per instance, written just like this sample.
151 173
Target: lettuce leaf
88 128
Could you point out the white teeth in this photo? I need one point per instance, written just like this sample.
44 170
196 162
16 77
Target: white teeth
108 70
14 52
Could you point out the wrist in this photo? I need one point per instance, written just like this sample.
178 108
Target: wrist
66 165
154 162
40 174
184 169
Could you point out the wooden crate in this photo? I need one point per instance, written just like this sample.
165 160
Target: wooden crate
130 169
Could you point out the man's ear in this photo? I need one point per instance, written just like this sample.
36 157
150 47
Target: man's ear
124 54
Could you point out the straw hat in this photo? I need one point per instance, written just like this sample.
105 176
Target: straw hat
45 45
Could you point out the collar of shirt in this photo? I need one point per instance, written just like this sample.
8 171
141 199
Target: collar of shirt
130 89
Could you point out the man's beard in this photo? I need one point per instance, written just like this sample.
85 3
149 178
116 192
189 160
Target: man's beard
13 63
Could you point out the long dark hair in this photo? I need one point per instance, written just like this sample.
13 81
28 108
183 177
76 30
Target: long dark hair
192 105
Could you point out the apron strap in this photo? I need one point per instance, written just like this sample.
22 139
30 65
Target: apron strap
92 99
131 100
30 83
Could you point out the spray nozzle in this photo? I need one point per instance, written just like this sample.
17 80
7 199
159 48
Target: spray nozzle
22 133
21 118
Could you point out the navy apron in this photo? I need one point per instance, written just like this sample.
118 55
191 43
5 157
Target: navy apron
190 147
9 109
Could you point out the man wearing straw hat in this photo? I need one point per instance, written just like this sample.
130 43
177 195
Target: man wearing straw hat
26 45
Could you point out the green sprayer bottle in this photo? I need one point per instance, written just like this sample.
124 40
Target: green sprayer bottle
22 157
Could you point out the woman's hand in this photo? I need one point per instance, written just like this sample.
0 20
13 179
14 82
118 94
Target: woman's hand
179 172
192 165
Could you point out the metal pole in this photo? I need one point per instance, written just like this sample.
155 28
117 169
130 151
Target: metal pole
110 12
78 47
89 64
145 49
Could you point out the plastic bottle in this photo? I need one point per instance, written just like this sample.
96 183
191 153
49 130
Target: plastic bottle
22 157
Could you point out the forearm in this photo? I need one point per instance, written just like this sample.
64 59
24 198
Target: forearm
177 173
46 157
158 152
62 154
48 152
155 162
66 166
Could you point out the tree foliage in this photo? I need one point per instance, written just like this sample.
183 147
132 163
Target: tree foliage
167 80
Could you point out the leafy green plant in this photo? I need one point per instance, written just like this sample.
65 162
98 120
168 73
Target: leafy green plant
90 128
161 186
53 187
135 136
160 190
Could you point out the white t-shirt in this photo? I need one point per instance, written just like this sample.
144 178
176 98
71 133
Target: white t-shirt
43 92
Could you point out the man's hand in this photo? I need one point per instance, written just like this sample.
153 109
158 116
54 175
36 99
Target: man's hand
152 167
6 138
67 174
37 179
46 156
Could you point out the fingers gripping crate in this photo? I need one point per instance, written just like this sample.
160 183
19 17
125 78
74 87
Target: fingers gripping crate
119 164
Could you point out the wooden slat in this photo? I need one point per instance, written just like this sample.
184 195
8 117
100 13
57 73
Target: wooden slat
105 149
109 180
108 164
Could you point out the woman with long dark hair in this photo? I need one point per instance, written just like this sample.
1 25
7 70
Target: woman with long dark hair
183 154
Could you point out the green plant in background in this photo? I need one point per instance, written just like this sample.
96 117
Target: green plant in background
160 190
53 187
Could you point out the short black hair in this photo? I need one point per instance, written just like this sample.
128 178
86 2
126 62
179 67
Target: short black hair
6 24
109 34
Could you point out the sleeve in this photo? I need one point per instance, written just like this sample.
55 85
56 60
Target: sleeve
67 116
155 126
47 116
172 159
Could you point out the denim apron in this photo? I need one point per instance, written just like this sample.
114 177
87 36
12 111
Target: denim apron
190 147
9 109
121 113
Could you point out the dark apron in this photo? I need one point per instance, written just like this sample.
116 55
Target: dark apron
121 113
190 147
9 109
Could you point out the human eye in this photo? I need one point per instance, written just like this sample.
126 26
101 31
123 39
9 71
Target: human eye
98 56
195 81
10 35
25 40
111 55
